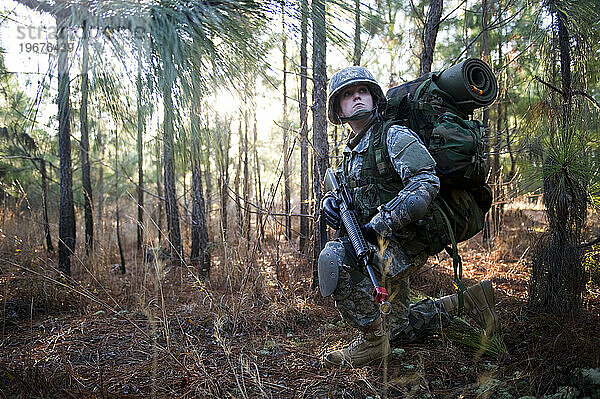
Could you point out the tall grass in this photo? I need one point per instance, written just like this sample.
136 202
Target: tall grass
161 303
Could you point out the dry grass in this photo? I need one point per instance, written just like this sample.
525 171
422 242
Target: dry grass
254 328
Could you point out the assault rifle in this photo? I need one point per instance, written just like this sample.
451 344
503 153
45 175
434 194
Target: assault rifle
336 183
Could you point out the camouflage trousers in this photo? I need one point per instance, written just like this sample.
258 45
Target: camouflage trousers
407 322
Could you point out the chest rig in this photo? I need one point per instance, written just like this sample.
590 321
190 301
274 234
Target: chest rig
378 181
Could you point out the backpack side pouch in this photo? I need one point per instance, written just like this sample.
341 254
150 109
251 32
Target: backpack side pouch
456 144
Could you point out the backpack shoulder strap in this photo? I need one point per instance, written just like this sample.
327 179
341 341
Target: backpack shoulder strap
422 87
380 150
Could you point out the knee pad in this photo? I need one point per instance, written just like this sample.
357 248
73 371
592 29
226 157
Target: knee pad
331 260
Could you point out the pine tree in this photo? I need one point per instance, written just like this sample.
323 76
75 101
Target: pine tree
557 281
321 154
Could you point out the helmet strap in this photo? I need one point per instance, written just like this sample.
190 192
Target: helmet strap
377 111
356 116
355 137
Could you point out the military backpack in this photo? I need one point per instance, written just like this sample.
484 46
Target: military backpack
455 141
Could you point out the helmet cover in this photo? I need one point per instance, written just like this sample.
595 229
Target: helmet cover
347 77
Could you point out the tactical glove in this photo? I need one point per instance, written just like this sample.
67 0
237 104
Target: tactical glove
330 210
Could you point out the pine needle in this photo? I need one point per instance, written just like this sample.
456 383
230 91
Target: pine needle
463 333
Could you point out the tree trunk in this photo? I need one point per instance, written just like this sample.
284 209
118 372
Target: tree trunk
117 215
304 168
85 144
140 154
47 236
286 167
159 192
430 35
357 45
485 54
390 11
496 210
66 225
199 250
186 210
335 141
465 29
238 178
100 185
223 162
260 233
489 225
246 186
168 164
565 66
485 49
208 183
511 154
321 159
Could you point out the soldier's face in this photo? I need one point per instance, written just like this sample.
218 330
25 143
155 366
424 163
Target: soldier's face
354 99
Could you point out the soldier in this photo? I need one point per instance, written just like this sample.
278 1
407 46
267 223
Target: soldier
385 204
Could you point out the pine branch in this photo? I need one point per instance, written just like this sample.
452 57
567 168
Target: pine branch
56 10
574 92
38 5
495 24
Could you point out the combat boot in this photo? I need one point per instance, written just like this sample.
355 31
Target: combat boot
373 344
480 303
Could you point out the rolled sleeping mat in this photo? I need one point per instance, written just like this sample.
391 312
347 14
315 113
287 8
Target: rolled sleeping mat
471 82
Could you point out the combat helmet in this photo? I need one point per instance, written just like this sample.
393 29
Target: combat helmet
347 77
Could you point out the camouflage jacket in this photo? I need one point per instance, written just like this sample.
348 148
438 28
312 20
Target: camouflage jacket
415 174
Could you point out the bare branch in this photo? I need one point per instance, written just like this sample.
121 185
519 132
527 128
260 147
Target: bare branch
419 16
452 12
549 85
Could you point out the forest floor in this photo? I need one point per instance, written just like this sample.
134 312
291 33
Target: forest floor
256 329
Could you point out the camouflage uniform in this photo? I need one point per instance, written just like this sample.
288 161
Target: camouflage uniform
416 169
392 181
